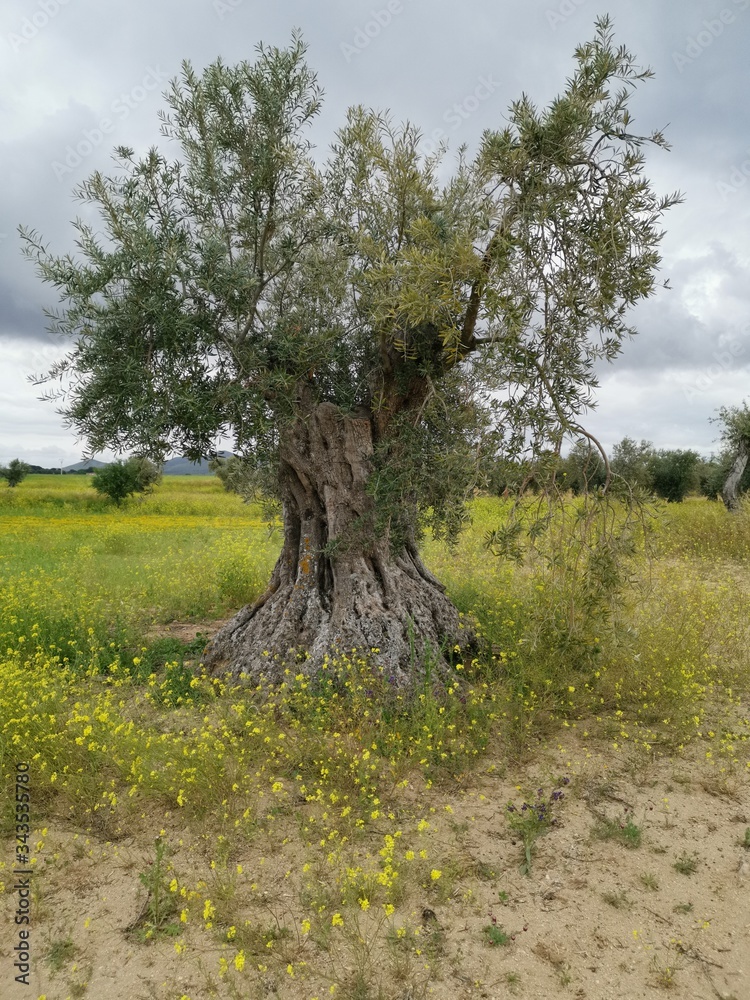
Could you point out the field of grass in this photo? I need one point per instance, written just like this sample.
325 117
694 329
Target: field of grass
333 837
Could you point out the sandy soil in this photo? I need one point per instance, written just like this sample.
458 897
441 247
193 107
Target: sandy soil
595 920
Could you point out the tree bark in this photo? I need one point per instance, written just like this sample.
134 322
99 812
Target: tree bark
729 493
337 586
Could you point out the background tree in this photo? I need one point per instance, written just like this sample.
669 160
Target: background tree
583 469
15 472
674 474
119 480
714 472
735 433
226 471
368 334
630 461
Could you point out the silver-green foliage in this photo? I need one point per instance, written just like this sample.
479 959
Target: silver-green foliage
15 472
119 480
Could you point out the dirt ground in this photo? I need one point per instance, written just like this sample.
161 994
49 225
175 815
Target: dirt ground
595 919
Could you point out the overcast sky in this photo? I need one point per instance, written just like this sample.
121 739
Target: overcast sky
81 76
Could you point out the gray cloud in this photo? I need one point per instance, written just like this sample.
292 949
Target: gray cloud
705 313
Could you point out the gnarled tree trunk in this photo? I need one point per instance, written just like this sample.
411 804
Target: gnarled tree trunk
729 492
335 586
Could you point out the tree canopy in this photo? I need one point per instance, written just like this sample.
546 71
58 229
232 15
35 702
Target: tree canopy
243 287
119 480
735 435
15 472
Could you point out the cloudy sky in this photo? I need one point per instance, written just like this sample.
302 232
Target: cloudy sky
78 77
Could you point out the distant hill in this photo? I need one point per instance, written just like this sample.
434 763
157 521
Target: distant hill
39 470
172 467
92 463
183 467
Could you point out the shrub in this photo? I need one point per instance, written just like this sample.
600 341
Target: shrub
674 474
15 472
120 480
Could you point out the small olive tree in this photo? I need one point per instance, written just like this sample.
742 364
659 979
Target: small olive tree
15 472
119 480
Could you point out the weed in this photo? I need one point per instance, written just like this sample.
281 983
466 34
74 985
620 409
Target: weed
649 881
533 820
59 953
685 780
494 934
624 832
398 939
484 871
444 887
746 839
160 906
564 976
434 941
618 900
686 864
357 986
683 908
78 987
513 982
401 966
662 976
721 788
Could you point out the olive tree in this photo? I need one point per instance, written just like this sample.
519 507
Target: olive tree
15 472
673 473
119 480
735 433
630 461
367 334
583 468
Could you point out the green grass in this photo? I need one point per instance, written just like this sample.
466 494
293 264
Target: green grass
71 562
187 552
